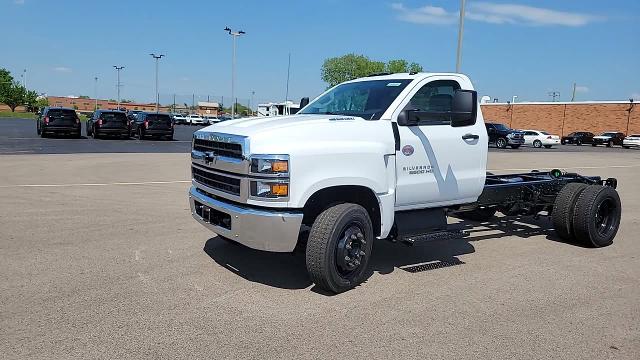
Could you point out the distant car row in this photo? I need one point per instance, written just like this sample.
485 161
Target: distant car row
502 136
195 119
102 123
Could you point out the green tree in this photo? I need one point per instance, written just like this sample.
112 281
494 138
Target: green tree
5 81
42 102
351 66
31 101
402 66
83 97
14 96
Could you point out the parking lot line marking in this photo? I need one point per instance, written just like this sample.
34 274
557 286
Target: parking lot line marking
97 184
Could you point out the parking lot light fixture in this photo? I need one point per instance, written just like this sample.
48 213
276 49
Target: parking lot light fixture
118 85
234 35
157 57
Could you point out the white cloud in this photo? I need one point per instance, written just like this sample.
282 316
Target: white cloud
62 69
582 89
494 13
425 15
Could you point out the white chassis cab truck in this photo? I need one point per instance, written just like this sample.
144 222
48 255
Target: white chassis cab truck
381 157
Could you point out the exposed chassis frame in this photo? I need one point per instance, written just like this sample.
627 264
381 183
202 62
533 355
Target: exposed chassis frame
532 192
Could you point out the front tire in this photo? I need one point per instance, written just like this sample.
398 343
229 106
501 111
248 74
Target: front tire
537 144
339 247
597 214
501 143
610 143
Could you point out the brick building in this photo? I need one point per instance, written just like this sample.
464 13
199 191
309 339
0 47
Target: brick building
563 118
82 104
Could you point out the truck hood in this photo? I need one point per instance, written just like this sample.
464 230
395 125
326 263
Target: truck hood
281 134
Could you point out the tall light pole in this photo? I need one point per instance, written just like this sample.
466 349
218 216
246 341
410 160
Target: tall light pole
118 68
95 92
460 32
24 78
233 34
157 57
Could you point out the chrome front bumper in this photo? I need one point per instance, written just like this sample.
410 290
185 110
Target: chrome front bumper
269 230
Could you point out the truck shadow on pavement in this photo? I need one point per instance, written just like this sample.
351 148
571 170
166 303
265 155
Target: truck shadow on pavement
288 270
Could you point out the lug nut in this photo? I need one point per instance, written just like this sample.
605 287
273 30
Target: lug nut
360 236
347 258
348 246
353 236
361 253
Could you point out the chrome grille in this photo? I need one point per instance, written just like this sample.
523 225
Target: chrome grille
218 148
216 181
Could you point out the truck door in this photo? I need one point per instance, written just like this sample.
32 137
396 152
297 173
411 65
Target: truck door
437 164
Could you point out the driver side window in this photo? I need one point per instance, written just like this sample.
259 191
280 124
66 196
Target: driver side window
434 96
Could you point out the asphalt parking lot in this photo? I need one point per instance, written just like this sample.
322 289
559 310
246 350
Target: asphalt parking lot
100 258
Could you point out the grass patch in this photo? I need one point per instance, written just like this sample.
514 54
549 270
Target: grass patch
29 116
17 115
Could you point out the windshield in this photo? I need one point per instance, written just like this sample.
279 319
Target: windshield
365 99
117 116
501 127
608 134
544 133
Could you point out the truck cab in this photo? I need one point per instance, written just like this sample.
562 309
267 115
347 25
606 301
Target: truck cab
380 157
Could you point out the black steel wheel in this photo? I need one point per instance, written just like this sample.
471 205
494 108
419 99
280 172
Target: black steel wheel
579 142
563 209
339 247
597 214
501 143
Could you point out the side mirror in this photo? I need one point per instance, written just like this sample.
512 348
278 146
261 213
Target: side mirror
304 102
464 108
407 118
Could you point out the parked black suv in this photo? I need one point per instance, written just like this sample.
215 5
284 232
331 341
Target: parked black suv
108 122
502 136
58 120
152 124
578 138
609 138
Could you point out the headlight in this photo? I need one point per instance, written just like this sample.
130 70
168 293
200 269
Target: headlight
271 190
277 165
510 135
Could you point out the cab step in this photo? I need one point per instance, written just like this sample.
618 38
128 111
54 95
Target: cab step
433 236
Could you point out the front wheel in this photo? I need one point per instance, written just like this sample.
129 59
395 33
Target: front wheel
537 144
610 143
501 143
579 143
339 247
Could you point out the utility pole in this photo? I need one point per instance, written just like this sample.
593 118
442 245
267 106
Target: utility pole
95 92
460 33
193 102
174 103
24 78
251 100
233 34
573 95
157 57
286 96
554 94
118 85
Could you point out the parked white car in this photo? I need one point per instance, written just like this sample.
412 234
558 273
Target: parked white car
195 119
538 139
211 120
179 119
632 140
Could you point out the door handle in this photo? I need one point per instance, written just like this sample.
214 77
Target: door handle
470 137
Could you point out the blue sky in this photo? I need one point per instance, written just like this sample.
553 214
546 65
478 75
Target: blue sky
523 48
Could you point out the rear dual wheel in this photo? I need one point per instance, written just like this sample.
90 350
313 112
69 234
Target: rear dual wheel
589 214
339 247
